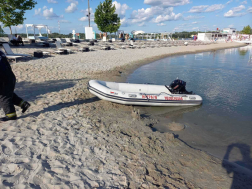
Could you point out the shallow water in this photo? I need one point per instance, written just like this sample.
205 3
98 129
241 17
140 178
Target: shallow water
224 80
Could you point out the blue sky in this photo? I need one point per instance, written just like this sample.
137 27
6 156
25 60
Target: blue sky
145 15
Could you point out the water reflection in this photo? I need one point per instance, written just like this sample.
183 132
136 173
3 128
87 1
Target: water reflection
243 52
199 56
229 51
170 111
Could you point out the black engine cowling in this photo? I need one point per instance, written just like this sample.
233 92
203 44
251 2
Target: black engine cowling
178 87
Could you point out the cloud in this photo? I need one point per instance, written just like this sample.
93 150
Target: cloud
52 1
85 18
229 2
244 3
142 24
184 24
214 7
195 28
231 25
164 14
239 8
194 22
45 7
37 12
64 21
49 14
250 9
72 7
206 8
235 11
198 9
166 3
172 16
142 15
205 27
161 24
125 22
190 17
19 27
121 9
72 1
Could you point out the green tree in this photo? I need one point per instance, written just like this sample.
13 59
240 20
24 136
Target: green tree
246 30
105 17
12 11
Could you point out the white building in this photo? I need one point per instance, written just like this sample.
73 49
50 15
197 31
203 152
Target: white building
231 31
204 36
222 35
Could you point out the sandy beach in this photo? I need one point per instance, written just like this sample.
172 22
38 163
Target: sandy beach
71 139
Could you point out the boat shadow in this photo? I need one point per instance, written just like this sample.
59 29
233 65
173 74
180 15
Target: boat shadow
31 91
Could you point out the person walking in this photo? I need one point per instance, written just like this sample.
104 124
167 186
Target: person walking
7 96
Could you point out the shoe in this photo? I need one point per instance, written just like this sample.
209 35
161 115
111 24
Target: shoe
3 119
25 106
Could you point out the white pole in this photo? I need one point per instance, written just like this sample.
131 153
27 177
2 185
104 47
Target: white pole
47 31
26 31
88 13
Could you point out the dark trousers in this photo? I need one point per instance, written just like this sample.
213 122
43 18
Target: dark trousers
16 43
7 96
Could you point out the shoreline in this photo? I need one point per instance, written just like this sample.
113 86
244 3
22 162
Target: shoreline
70 138
131 67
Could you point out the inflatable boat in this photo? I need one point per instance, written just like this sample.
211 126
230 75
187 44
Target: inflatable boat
144 94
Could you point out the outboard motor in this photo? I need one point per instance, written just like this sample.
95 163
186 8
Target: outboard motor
178 87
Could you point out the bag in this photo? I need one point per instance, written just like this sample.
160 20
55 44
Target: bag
38 54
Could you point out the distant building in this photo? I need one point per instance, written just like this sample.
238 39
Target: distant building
229 31
227 34
220 35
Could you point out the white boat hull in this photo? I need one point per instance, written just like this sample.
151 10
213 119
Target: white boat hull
144 97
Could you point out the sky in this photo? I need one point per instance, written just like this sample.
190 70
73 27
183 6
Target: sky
145 15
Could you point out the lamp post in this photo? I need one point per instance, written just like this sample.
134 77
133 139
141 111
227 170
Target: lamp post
88 14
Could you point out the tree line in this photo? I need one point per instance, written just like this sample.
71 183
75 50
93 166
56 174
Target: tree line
12 14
